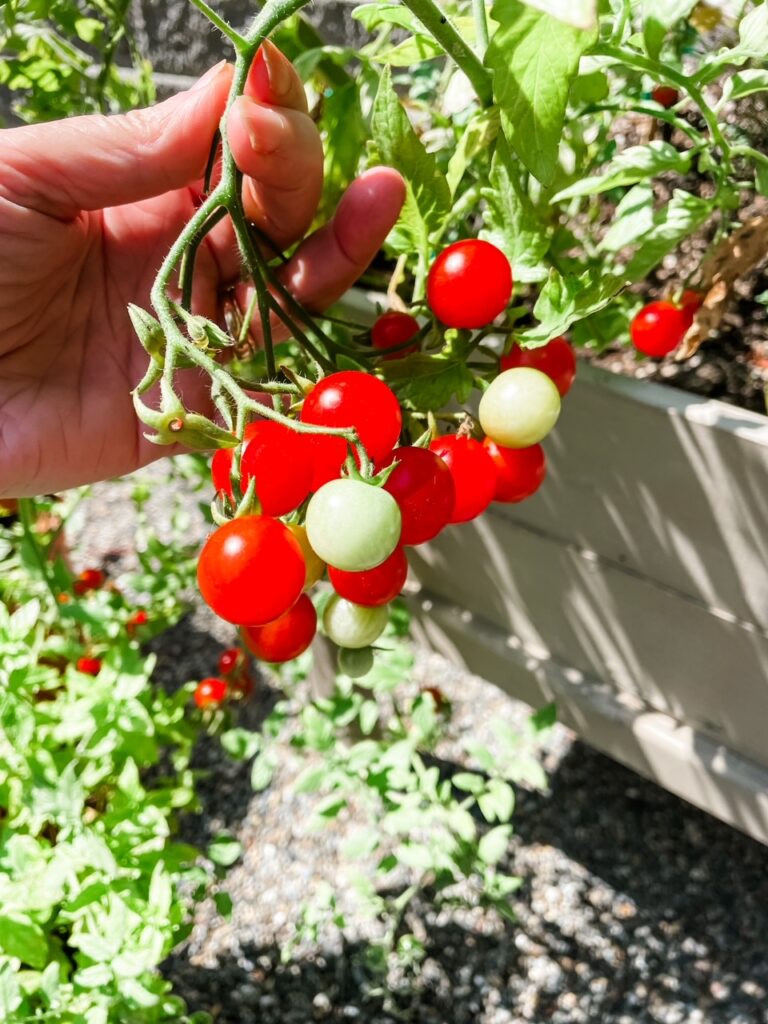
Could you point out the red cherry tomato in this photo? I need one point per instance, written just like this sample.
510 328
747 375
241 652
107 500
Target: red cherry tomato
251 570
89 579
89 666
229 660
665 95
351 398
473 472
139 618
287 637
690 303
395 328
279 458
210 692
469 284
658 329
556 359
374 586
520 472
441 701
422 485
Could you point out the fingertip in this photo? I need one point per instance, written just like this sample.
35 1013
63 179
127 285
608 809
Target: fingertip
373 200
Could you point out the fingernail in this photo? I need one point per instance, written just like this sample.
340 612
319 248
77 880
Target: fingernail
278 69
264 125
208 77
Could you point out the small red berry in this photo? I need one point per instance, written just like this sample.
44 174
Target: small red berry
89 579
89 666
395 328
210 693
556 359
658 329
665 95
229 660
437 695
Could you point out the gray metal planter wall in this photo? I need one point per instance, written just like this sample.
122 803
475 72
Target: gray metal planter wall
632 588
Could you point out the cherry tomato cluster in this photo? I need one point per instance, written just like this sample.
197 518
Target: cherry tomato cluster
660 326
320 506
234 680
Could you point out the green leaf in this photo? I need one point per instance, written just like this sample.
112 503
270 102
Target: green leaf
343 149
632 219
658 17
241 743
411 51
494 844
534 57
564 299
371 15
88 29
580 13
224 850
745 83
468 782
631 165
223 903
678 219
511 221
480 132
24 939
498 802
10 992
428 200
543 719
24 619
428 382
761 178
753 33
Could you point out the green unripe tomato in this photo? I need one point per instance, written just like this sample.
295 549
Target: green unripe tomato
353 625
352 525
520 407
355 663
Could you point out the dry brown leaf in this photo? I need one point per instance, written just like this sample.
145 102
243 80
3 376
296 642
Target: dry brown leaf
733 258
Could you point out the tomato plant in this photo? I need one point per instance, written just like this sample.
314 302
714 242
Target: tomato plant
473 473
287 636
236 560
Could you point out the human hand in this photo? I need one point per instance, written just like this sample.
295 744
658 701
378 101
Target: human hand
88 209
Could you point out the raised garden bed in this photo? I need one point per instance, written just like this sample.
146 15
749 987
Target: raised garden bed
631 589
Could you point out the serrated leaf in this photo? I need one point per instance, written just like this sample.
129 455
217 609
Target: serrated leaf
24 939
494 844
534 58
498 802
24 619
428 200
371 15
543 719
428 382
631 165
469 782
564 299
410 51
753 33
511 222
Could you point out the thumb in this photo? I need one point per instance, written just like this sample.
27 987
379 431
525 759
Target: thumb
91 162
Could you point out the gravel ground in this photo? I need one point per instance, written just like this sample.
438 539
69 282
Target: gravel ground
635 907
